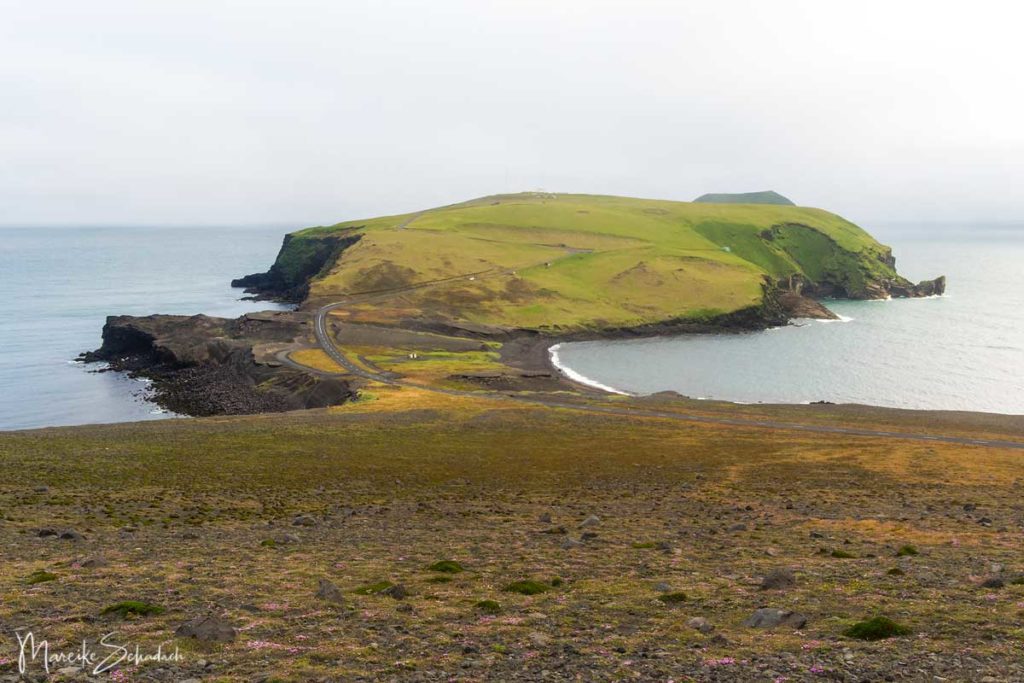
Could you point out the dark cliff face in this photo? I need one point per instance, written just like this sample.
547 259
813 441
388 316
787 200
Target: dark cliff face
209 366
299 261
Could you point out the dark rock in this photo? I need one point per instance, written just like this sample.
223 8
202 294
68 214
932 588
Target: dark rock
778 579
304 520
770 617
545 518
46 533
398 592
328 591
207 629
700 624
993 582
71 535
740 526
93 562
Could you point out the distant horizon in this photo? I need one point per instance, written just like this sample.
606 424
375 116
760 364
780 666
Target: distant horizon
115 112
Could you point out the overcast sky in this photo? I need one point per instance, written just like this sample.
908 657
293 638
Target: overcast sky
312 111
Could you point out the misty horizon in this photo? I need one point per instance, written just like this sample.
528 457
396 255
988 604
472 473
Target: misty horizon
219 114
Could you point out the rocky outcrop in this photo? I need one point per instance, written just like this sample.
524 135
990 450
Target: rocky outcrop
884 288
200 365
300 259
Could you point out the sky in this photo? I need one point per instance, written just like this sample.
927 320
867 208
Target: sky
308 112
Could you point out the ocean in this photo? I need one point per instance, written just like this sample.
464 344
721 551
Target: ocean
60 284
960 351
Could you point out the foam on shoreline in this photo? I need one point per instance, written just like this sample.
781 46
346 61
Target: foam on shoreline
577 377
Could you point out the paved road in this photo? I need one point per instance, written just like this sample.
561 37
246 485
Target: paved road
326 343
329 347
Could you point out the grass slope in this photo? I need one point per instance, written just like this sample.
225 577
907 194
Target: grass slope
193 516
544 261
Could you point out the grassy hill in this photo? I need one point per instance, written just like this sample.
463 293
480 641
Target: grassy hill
765 197
569 262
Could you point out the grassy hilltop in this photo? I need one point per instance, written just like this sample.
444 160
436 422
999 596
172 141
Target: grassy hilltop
564 262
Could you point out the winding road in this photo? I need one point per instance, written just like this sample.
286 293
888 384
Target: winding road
327 343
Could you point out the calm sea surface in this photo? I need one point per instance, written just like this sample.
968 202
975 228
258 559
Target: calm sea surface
962 351
59 284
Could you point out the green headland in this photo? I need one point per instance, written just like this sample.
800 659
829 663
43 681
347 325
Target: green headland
571 262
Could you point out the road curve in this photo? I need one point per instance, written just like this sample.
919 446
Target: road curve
326 343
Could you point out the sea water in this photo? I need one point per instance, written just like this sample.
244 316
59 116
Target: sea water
59 285
961 351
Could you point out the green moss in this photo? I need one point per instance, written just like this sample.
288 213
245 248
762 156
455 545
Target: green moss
672 598
373 588
527 587
645 545
557 581
489 606
268 543
842 554
439 579
40 576
876 628
446 567
895 571
133 607
906 551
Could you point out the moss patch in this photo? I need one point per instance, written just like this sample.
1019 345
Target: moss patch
446 567
132 607
876 628
527 587
40 576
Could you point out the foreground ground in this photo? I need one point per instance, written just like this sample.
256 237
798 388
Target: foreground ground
243 517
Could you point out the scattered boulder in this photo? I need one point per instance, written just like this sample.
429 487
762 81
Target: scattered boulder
993 582
71 535
326 590
46 533
397 591
545 518
770 617
700 624
540 639
570 543
304 520
739 526
207 629
778 579
662 587
93 562
592 520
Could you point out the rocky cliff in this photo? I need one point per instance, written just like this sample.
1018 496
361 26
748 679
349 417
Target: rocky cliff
202 365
